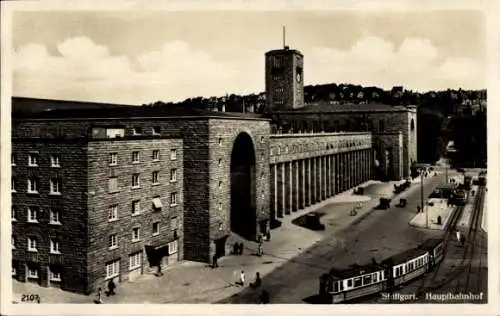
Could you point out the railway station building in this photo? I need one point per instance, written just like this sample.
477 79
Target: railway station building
104 191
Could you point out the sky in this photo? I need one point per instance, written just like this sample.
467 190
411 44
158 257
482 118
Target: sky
135 57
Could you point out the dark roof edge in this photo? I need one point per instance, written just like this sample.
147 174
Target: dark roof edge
184 117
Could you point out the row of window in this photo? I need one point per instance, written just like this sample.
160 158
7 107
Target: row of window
363 280
33 244
410 266
134 262
32 273
314 146
136 233
33 185
136 156
136 180
34 160
33 215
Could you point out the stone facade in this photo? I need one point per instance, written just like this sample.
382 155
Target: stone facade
284 79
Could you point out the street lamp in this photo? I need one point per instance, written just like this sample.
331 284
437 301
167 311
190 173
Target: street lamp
422 198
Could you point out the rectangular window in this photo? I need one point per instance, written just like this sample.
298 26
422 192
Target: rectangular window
173 154
32 214
33 185
113 185
54 246
137 130
135 260
55 217
113 159
135 180
357 282
173 199
349 283
173 223
13 159
55 161
136 207
156 228
173 175
13 213
367 279
172 247
113 241
55 275
113 269
32 244
154 177
156 155
113 213
135 157
55 186
136 234
156 130
33 160
13 184
32 273
115 132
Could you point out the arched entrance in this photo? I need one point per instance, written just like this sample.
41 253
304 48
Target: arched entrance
243 208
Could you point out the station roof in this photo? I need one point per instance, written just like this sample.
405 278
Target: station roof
327 107
28 108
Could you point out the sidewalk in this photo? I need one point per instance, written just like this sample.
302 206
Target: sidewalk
431 213
191 282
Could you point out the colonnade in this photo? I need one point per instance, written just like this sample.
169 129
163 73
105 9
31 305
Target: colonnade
297 184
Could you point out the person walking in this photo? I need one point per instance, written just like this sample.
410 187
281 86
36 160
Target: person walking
459 236
214 262
260 251
242 278
111 287
258 281
99 296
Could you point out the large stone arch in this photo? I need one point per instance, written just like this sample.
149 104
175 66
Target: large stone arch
243 214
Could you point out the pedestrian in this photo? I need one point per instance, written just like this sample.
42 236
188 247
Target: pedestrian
459 236
214 262
241 249
268 235
111 287
99 296
242 278
258 281
259 238
159 273
260 252
418 209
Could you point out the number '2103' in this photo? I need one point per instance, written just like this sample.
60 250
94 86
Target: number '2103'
35 298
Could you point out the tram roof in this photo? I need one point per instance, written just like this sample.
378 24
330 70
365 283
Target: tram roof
430 243
355 271
404 256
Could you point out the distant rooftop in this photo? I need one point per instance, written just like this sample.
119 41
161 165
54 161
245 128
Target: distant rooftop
283 51
325 106
29 108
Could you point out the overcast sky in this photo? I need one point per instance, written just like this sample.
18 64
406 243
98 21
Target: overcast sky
140 57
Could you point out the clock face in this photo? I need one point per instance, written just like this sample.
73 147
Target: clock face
298 77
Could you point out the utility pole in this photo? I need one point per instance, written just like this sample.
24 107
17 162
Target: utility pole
422 198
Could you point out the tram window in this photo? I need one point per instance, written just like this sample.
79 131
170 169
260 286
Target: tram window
357 282
336 287
367 279
375 277
341 286
349 283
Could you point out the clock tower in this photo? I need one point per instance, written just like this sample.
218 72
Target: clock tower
284 79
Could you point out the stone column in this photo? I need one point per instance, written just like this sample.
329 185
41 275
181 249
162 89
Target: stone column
321 172
280 198
296 193
309 182
325 177
272 195
328 176
288 187
301 184
337 173
317 161
334 176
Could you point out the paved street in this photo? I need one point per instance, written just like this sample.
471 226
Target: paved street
379 235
